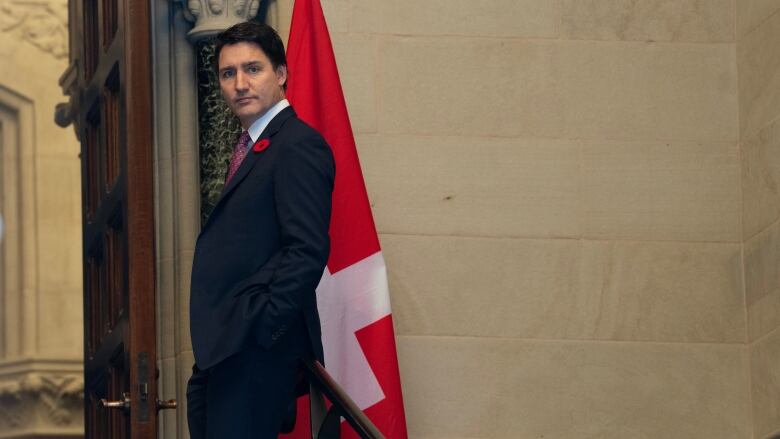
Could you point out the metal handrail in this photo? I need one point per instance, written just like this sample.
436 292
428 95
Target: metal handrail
326 422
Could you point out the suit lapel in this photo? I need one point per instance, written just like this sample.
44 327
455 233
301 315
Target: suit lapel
252 157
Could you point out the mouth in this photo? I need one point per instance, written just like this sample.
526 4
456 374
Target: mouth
245 100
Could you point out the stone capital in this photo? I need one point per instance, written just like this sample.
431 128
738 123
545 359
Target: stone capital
213 16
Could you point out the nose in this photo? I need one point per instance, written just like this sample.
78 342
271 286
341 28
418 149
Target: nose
241 81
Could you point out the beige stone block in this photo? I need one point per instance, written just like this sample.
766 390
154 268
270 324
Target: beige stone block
60 257
763 314
472 186
765 384
54 141
508 388
356 58
185 359
58 190
337 14
482 287
751 13
761 180
553 289
166 307
58 208
661 191
759 76
58 323
164 210
184 362
167 389
183 310
187 186
649 20
497 18
762 282
644 91
187 202
472 87
659 291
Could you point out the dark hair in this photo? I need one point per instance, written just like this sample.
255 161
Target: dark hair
252 32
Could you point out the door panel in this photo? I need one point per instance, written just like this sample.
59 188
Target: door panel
111 106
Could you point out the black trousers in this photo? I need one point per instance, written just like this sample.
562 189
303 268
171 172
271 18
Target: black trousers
248 395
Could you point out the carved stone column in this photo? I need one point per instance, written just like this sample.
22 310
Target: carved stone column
213 16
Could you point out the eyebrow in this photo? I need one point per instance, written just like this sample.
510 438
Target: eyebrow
244 65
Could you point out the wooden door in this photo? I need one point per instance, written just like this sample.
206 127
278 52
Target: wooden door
109 81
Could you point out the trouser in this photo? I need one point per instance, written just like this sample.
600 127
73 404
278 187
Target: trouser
245 396
251 393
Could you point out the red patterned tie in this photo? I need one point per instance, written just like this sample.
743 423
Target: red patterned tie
238 155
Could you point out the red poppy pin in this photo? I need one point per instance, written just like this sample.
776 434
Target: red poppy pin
261 145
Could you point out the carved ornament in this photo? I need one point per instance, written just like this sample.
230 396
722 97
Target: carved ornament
40 400
43 23
214 16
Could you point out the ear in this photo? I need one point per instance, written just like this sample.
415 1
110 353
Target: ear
281 75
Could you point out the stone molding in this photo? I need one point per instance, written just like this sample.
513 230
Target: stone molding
213 16
41 402
42 23
18 272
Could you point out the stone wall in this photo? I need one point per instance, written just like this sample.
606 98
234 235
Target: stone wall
557 186
758 58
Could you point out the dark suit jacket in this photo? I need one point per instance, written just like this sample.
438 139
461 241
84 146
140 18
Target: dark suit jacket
262 252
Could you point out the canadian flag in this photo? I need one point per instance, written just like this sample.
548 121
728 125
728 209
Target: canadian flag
353 299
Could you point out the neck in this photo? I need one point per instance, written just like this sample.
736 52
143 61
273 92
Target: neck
246 123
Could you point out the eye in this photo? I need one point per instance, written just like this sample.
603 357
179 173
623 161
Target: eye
226 74
252 69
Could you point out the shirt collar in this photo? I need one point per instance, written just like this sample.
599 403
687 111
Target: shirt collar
260 124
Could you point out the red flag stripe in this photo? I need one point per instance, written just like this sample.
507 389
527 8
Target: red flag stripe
314 89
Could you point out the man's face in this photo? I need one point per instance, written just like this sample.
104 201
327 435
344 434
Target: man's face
250 85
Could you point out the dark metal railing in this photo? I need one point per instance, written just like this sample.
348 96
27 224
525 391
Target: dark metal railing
326 422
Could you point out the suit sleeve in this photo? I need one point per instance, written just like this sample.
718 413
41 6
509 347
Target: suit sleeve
303 187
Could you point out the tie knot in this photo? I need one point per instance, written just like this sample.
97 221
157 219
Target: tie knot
243 141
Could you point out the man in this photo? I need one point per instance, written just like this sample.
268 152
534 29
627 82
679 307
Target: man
261 254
